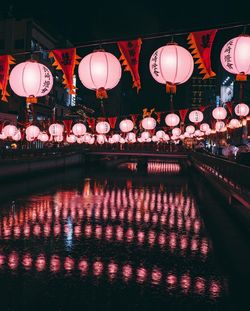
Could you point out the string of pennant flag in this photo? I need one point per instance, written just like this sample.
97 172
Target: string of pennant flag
200 44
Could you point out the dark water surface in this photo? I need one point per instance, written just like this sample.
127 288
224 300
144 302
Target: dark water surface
121 241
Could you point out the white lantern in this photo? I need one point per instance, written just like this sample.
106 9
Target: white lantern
172 119
32 131
219 126
208 132
196 116
234 123
87 137
17 136
80 140
126 126
176 131
58 139
71 139
190 129
241 110
171 65
204 127
145 135
100 71
31 79
219 113
43 137
56 129
102 127
116 138
122 140
160 134
130 137
166 137
155 138
9 130
79 129
198 133
148 123
91 140
101 139
235 56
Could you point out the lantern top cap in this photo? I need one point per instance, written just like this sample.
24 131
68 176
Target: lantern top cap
172 43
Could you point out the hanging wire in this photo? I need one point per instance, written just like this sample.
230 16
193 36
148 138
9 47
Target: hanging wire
152 36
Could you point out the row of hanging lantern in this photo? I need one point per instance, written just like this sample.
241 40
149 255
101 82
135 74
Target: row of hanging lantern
100 71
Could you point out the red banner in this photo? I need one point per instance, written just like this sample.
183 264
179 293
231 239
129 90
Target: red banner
230 108
5 62
67 125
134 118
158 116
65 60
91 123
201 43
112 121
183 113
202 108
130 53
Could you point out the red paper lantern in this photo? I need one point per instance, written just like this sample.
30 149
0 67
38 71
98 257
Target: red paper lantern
171 65
100 71
31 80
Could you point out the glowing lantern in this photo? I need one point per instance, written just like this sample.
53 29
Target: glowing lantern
87 137
43 137
148 123
234 123
29 138
102 127
79 129
171 65
126 126
241 110
122 140
198 133
155 138
116 138
91 140
166 137
148 140
196 116
71 139
172 119
3 136
219 113
176 131
58 139
101 139
130 137
190 129
110 140
80 140
17 136
100 71
9 130
219 126
32 131
204 127
235 56
56 129
160 134
145 135
208 132
31 80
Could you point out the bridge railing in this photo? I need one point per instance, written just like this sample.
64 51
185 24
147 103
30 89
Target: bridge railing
231 173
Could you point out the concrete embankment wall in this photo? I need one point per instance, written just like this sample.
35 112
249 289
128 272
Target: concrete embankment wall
15 167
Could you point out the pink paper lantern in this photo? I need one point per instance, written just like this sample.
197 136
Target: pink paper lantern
79 129
234 123
102 127
235 56
122 140
219 113
126 126
31 79
56 129
172 119
17 136
160 134
190 129
58 139
145 135
43 137
241 110
171 65
100 71
196 116
71 139
80 140
32 131
148 123
116 138
204 127
176 131
219 126
91 140
101 139
9 130
130 137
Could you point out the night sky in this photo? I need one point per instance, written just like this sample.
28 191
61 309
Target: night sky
99 20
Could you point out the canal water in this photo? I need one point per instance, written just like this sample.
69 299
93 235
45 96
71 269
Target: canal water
120 240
